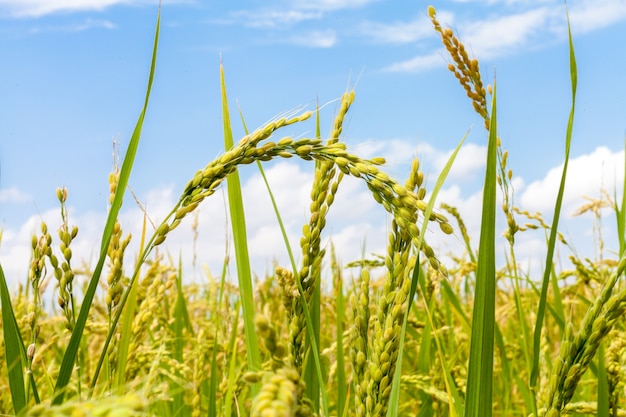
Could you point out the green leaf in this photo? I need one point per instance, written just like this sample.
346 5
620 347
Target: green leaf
69 359
13 347
480 370
238 222
555 222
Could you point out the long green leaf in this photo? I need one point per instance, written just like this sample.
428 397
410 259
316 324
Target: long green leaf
480 371
181 323
13 348
67 365
555 222
238 222
620 212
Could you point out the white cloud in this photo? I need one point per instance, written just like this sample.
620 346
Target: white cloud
291 13
504 35
596 14
13 195
330 5
418 63
403 32
38 8
587 175
469 161
77 27
315 39
500 34
270 19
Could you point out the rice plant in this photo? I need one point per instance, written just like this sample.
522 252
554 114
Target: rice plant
397 334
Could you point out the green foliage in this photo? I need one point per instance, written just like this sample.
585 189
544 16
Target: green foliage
405 335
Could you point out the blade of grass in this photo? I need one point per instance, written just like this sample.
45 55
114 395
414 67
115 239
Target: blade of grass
480 370
394 398
620 213
232 368
13 348
181 322
238 222
213 383
534 376
67 365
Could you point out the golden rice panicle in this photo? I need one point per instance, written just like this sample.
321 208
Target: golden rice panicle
574 361
279 395
149 316
360 303
466 70
113 406
201 363
115 253
346 102
40 249
504 178
288 288
282 390
323 190
270 339
614 368
64 273
388 320
206 181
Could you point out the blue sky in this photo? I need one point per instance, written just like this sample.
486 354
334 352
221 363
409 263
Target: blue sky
74 72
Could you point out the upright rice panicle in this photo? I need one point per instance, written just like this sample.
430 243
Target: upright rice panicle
40 249
325 184
359 340
65 274
115 253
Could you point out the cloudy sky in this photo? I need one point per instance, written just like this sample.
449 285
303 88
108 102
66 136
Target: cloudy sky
74 72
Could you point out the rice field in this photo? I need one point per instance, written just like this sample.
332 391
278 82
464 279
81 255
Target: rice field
395 335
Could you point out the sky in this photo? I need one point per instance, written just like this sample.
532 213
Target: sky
73 79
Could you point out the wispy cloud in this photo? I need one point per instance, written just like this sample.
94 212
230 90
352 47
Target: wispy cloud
315 39
38 8
270 19
289 14
593 15
402 32
504 33
76 27
330 5
418 63
606 166
13 195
